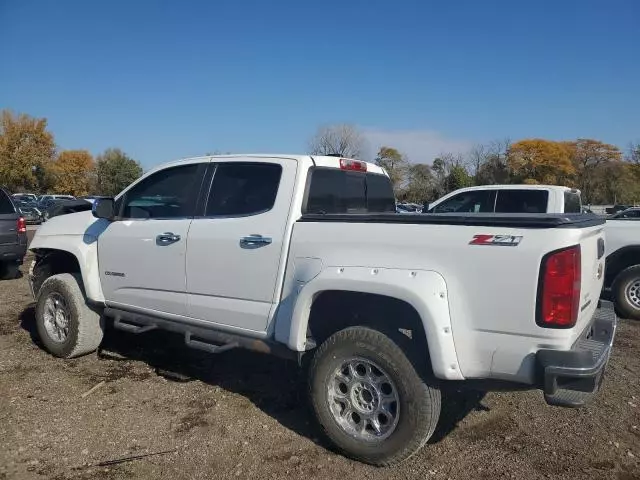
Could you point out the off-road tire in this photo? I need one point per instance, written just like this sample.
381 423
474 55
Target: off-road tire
85 323
419 405
626 308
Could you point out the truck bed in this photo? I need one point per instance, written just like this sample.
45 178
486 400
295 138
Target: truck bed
492 293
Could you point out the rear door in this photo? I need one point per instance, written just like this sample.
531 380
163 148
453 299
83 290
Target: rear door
235 250
8 220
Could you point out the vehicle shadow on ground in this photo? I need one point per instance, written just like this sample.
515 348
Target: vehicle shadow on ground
274 385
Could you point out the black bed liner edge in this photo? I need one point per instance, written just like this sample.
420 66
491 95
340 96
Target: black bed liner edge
526 220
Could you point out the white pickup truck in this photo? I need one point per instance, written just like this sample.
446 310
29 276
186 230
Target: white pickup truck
510 198
296 255
622 272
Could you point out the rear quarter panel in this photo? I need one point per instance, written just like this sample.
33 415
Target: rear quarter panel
490 290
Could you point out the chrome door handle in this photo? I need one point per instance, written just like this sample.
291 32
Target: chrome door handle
254 241
167 238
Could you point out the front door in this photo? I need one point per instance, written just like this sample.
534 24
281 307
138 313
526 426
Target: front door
234 253
141 256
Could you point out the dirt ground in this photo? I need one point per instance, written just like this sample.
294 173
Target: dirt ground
244 415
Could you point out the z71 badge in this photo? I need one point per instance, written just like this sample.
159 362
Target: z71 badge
500 240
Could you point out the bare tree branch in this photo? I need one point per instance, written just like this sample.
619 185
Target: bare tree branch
344 140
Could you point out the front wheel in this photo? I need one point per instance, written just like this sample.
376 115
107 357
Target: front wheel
626 293
67 326
369 399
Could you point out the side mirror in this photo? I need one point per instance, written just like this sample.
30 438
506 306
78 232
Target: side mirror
103 208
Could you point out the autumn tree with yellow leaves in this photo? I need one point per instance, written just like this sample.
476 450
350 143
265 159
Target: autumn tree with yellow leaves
27 151
538 161
73 170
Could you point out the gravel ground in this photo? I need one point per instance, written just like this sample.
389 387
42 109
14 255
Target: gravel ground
244 415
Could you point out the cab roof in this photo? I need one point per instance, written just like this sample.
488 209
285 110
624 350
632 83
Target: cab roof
318 160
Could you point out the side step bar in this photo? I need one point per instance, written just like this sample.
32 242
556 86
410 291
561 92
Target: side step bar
208 347
207 339
131 328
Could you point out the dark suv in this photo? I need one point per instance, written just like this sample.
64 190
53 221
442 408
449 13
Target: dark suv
13 237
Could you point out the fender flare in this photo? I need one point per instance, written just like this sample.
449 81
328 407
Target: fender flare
85 249
424 290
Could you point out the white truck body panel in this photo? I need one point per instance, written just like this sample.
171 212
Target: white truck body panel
621 233
486 325
238 282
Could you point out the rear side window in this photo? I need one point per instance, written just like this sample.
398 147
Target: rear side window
243 188
474 201
572 203
522 201
5 204
340 191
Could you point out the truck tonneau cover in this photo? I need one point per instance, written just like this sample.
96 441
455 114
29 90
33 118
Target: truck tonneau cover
506 220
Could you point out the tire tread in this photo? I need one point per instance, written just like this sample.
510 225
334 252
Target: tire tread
425 416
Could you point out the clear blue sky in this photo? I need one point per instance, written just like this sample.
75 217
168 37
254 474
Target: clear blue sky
167 79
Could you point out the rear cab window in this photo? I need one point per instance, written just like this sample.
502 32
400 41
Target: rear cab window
6 206
522 201
572 202
333 191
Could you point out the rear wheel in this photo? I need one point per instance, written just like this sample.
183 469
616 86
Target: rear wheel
626 292
369 399
66 325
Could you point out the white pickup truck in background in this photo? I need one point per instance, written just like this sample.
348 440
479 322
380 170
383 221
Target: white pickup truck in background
622 272
297 256
509 199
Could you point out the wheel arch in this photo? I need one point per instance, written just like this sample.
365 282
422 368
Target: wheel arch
620 260
69 257
419 296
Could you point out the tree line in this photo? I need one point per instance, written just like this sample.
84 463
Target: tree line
603 172
31 162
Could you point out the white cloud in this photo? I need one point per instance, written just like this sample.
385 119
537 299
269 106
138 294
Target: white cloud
420 146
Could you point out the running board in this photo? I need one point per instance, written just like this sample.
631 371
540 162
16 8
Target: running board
208 339
130 327
208 347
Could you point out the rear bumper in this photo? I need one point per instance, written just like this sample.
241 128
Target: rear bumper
570 378
13 252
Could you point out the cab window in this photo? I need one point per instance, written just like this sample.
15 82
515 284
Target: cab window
474 201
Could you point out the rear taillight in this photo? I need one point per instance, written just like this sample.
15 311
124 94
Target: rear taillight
22 225
559 289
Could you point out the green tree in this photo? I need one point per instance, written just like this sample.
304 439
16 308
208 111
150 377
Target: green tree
27 150
395 165
458 178
420 184
115 170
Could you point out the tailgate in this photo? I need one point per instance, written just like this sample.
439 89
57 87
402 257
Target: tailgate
8 228
592 245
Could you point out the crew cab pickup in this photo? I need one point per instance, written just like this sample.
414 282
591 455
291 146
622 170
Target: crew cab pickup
511 198
304 256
